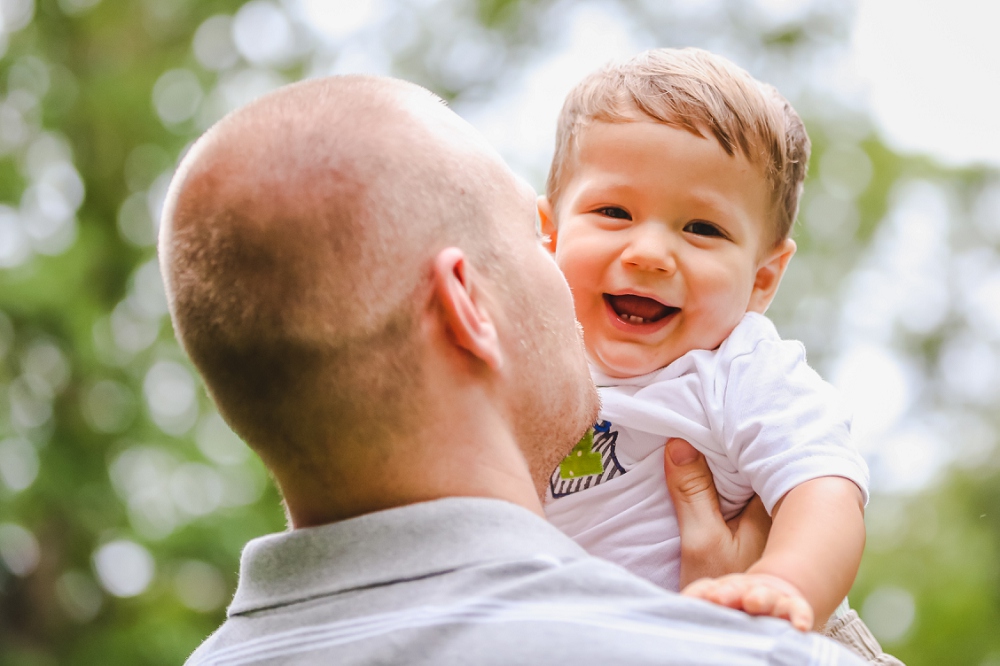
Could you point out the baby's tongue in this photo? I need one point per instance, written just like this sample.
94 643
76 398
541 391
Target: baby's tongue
638 306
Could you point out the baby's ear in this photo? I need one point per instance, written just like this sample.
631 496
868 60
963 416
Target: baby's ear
547 222
769 273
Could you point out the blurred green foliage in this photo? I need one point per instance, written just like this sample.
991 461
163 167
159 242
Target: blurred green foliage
124 502
101 67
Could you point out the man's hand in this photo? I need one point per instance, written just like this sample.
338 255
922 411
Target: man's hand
710 547
756 594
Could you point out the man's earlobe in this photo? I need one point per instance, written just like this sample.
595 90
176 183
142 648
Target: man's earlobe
769 274
547 223
458 291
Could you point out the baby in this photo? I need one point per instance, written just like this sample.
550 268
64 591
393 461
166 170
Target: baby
672 193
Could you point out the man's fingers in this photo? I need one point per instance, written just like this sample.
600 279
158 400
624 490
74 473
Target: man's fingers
707 544
691 486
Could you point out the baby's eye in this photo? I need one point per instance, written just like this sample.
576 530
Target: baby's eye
701 228
614 212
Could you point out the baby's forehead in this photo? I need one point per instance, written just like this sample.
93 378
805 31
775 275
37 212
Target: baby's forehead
588 126
604 162
700 92
593 143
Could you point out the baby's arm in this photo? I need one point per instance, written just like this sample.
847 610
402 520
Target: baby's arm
809 562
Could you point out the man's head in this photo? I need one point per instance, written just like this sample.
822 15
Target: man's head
307 246
672 192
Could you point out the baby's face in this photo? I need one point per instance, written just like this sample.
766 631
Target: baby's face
660 235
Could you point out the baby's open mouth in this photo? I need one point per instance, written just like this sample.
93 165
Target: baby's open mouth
638 309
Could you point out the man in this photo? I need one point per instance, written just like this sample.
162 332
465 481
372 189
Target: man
358 278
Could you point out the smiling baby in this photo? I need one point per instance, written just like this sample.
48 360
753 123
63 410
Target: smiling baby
670 201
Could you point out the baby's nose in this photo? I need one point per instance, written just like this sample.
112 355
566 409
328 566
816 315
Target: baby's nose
651 248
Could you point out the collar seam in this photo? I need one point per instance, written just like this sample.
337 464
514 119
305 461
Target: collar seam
553 560
356 588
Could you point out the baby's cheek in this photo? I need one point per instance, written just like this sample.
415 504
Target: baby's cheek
578 276
587 304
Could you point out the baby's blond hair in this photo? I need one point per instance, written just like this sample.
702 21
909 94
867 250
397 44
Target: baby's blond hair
697 91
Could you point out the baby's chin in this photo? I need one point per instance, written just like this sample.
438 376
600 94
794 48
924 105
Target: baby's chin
624 360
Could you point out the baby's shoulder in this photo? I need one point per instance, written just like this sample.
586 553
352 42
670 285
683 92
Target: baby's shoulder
755 362
756 337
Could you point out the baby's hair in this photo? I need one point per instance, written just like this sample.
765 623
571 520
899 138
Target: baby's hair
704 94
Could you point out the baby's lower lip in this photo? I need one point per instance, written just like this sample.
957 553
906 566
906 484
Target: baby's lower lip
636 328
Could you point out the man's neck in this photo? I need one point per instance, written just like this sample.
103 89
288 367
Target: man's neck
470 453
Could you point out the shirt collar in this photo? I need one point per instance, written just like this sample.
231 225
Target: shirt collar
397 544
751 328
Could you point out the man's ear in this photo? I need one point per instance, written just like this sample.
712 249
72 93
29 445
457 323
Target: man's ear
460 296
769 273
546 217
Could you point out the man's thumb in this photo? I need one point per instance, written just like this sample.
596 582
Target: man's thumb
690 483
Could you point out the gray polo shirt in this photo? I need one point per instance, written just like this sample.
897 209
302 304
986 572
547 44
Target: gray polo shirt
474 581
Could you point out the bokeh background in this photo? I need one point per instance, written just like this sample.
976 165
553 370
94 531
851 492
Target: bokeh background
125 500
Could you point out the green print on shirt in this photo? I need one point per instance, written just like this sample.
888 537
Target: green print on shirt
582 460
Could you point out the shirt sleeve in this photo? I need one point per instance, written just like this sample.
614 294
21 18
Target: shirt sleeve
783 425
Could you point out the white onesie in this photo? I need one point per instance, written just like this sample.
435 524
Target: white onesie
765 421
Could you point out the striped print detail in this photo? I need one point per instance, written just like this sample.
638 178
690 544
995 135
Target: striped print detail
604 443
606 618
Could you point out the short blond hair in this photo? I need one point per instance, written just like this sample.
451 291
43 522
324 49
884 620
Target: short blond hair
295 262
700 92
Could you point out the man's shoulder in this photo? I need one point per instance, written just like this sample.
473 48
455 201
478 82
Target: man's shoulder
591 606
506 629
528 603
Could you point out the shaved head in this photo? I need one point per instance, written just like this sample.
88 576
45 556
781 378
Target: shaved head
295 246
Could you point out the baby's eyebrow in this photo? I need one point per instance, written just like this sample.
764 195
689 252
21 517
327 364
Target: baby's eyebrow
611 192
